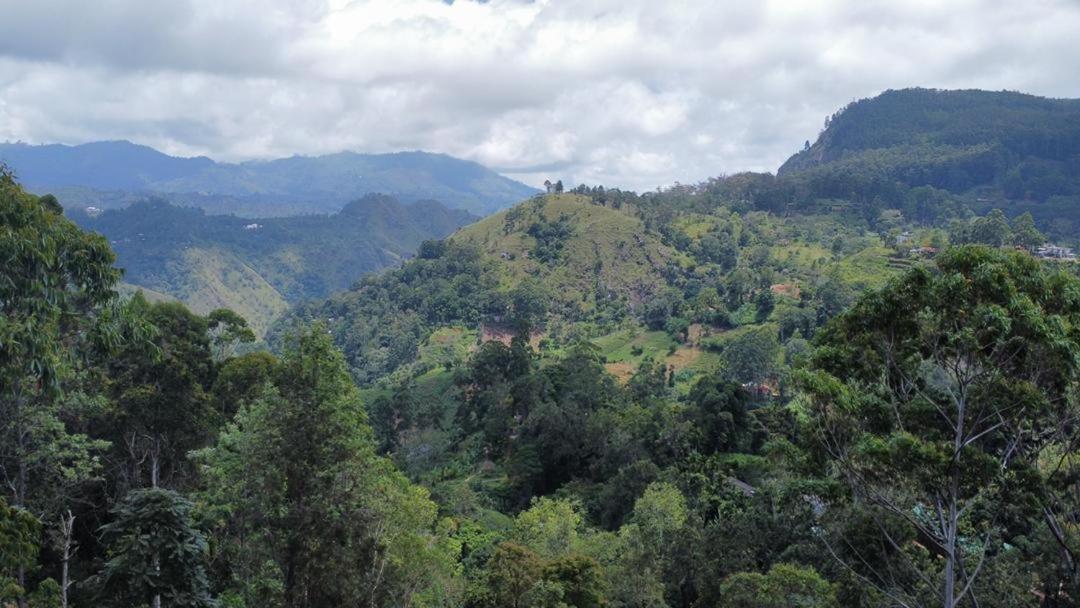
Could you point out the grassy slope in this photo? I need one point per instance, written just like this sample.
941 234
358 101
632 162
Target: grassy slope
607 251
215 278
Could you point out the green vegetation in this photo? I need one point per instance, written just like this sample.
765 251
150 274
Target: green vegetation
936 154
702 396
258 267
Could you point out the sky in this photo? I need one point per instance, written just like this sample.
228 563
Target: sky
629 93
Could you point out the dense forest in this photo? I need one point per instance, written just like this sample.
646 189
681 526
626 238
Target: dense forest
1008 150
750 392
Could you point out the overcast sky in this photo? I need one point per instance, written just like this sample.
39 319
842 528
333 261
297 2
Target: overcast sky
632 93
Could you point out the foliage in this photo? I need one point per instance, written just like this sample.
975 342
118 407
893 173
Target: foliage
782 586
936 395
319 518
19 535
155 550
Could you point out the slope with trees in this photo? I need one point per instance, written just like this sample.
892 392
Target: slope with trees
260 266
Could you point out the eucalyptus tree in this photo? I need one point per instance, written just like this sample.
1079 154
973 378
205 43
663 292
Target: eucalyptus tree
938 398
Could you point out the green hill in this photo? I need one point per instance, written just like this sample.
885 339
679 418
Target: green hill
558 263
582 252
638 284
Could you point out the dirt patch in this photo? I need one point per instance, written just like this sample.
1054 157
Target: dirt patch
790 290
695 333
501 333
622 371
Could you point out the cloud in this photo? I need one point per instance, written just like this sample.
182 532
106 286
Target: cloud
630 93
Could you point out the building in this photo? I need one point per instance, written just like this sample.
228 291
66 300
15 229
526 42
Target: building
1054 252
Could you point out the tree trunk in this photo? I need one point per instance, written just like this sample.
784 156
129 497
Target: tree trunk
67 529
949 598
154 484
20 486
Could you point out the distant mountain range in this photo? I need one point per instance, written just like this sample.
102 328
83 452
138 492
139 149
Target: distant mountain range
116 173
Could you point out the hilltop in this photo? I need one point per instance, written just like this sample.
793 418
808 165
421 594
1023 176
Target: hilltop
108 174
582 252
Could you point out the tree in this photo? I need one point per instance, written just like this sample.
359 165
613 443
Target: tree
529 303
512 573
227 330
935 397
1025 234
161 389
55 284
646 546
309 515
548 527
579 580
782 586
750 356
20 533
719 415
992 230
156 554
239 380
765 302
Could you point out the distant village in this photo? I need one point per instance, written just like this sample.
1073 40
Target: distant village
1046 251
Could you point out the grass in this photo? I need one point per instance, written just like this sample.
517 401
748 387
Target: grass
629 345
695 225
867 269
609 251
211 278
625 350
800 256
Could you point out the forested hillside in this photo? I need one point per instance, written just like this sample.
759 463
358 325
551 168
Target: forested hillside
752 392
257 267
113 174
1006 150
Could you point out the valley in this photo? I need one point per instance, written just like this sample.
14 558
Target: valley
848 383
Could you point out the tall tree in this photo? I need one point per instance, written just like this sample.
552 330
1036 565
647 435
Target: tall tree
20 533
936 396
1025 234
55 281
309 515
160 386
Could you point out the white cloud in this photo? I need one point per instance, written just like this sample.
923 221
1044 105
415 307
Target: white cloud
630 93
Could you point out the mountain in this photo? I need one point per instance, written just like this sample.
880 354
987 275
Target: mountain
1004 148
112 174
258 267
